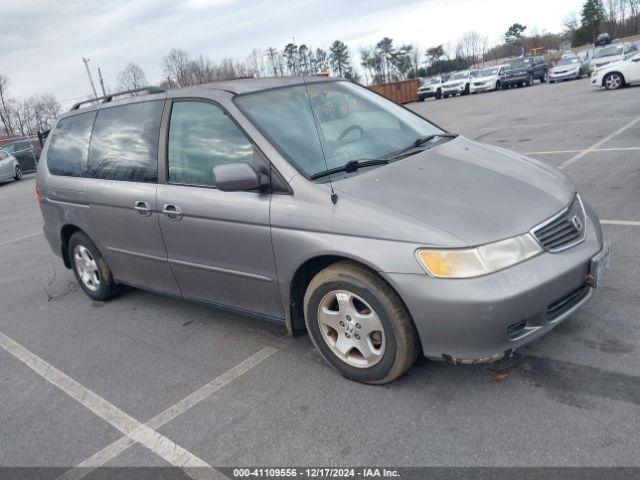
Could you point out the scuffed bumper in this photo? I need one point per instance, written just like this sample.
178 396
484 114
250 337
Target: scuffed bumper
482 319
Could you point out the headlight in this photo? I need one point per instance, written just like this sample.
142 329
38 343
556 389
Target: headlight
474 262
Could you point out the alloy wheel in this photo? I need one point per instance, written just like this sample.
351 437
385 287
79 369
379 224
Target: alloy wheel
613 81
351 329
87 268
18 173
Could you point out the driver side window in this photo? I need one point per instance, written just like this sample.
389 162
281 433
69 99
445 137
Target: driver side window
202 136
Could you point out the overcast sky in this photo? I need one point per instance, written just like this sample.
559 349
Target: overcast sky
42 42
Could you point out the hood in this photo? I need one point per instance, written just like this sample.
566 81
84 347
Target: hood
485 79
475 192
515 71
450 83
564 68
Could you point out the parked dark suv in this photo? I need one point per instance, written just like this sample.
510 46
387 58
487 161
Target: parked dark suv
523 71
26 151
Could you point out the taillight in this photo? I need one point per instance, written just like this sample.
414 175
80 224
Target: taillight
38 194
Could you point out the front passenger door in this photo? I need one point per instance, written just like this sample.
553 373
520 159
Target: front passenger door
218 243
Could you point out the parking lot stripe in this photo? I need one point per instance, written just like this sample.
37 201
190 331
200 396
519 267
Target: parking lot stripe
630 223
191 400
14 240
154 441
555 152
596 145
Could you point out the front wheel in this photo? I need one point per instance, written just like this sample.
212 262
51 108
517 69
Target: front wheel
359 325
498 87
90 268
529 80
613 81
18 173
438 95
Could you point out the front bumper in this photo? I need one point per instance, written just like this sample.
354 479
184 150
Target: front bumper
563 76
453 90
482 88
426 94
484 318
514 80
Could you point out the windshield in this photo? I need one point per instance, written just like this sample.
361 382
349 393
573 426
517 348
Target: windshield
353 123
609 51
459 76
488 72
520 62
568 61
430 81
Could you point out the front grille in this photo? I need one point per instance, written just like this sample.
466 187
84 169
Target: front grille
564 230
566 303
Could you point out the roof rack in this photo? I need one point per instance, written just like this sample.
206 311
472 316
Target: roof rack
108 98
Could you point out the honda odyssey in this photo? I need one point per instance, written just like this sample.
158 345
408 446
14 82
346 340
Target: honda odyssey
323 206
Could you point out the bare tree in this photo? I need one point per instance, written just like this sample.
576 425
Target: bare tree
5 113
132 78
470 47
176 68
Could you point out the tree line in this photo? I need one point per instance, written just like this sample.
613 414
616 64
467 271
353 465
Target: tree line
616 17
25 116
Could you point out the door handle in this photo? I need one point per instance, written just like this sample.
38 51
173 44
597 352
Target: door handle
142 208
173 212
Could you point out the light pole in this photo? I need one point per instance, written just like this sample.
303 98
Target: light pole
86 65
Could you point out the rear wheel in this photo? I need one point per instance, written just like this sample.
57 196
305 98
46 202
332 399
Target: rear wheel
438 95
18 173
91 270
359 325
529 80
498 86
613 81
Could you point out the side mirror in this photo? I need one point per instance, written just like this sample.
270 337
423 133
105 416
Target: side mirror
238 177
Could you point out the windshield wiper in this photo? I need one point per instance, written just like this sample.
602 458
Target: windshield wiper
427 138
405 152
350 167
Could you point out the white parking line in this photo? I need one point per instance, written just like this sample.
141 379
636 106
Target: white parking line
116 448
628 223
554 152
14 240
130 427
596 145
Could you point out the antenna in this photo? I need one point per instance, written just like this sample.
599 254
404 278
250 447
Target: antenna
334 195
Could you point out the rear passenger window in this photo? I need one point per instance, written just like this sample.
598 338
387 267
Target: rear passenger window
202 136
124 144
67 154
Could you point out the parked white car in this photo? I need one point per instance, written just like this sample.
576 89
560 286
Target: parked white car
459 83
567 68
615 52
616 75
9 167
487 79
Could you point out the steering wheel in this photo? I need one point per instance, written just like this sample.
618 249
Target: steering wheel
347 131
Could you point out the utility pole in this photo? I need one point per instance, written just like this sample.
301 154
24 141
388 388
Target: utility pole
272 52
93 87
104 93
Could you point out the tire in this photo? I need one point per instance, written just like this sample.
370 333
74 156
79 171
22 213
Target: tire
498 86
391 342
18 174
543 78
445 95
421 99
613 81
90 268
438 94
529 80
467 89
551 81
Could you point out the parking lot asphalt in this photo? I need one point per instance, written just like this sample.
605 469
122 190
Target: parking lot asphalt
228 390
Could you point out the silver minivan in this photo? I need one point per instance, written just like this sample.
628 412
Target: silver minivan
323 206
